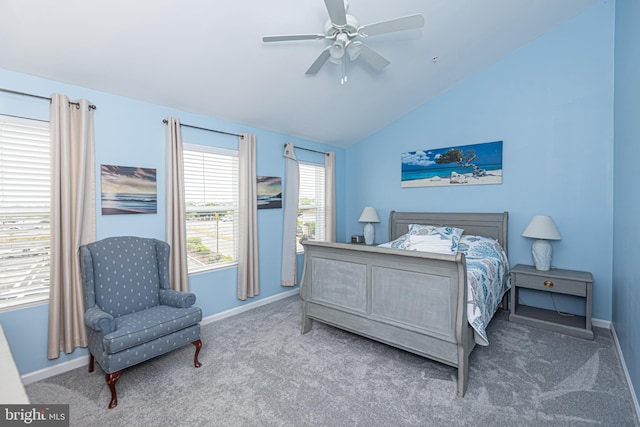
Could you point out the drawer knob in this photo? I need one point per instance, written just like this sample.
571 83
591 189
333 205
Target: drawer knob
548 283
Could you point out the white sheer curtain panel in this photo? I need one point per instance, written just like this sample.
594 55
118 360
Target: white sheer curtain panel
73 219
288 275
176 228
248 266
330 196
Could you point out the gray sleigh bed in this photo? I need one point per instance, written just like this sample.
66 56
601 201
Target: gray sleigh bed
416 301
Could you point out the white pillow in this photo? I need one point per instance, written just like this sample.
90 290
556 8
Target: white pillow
450 233
435 243
399 243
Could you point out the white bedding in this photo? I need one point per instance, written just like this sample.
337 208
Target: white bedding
487 277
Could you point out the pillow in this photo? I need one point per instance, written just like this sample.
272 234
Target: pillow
432 243
399 243
450 233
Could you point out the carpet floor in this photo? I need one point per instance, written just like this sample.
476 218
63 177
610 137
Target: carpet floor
258 370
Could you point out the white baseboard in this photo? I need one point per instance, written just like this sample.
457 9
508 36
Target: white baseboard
599 323
52 371
83 360
626 372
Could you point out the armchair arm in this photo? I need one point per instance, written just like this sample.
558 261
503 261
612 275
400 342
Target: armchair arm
177 299
99 320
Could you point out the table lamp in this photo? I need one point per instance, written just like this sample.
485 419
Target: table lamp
369 215
541 228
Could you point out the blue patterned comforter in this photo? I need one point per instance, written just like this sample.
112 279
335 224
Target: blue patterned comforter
487 281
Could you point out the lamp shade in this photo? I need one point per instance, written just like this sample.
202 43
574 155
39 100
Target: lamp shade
541 227
369 214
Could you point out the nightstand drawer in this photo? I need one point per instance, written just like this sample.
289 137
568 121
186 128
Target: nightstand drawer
554 284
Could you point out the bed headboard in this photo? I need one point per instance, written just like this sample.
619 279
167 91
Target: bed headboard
479 224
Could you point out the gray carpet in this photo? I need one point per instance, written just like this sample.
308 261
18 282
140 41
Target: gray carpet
258 370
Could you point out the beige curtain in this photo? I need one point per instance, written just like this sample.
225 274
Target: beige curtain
73 219
176 228
248 266
330 196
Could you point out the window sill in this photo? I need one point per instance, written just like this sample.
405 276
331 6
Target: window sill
10 307
215 268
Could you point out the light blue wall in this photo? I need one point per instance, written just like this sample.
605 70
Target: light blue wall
626 252
551 102
131 133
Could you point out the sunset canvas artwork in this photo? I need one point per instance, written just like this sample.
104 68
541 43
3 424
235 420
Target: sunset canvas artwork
128 190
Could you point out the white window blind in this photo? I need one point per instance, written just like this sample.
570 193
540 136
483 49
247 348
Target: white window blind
25 189
211 196
311 213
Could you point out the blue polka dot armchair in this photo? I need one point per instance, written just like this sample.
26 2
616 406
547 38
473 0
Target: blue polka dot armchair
132 314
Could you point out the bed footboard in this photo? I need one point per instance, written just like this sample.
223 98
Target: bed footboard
415 301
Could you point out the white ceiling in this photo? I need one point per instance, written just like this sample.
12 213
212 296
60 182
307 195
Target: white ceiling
208 57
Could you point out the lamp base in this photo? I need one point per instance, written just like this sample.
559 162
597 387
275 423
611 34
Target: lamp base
368 234
541 251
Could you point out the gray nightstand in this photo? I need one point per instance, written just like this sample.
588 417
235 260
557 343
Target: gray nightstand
577 283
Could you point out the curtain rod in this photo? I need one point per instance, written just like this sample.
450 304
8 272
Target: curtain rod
309 149
165 121
15 92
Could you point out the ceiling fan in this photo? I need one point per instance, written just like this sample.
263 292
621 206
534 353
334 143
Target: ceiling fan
343 31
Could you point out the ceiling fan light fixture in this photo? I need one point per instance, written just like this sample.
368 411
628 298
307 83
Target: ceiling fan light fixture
336 51
353 50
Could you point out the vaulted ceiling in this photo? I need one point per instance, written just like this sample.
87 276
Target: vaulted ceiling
208 57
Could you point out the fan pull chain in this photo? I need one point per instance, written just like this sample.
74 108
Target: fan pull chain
343 80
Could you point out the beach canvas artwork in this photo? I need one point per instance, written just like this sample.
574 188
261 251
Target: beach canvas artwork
128 190
474 164
269 192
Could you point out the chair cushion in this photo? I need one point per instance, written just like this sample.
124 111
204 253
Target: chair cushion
126 274
147 325
111 363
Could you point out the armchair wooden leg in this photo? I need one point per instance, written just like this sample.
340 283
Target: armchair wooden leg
90 362
111 382
198 345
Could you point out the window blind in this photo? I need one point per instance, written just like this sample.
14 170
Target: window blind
24 211
311 203
211 197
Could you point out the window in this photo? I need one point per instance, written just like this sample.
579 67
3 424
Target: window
25 239
311 223
211 197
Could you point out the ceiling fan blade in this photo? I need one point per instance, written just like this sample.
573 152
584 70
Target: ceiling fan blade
337 12
373 58
268 39
319 62
392 25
